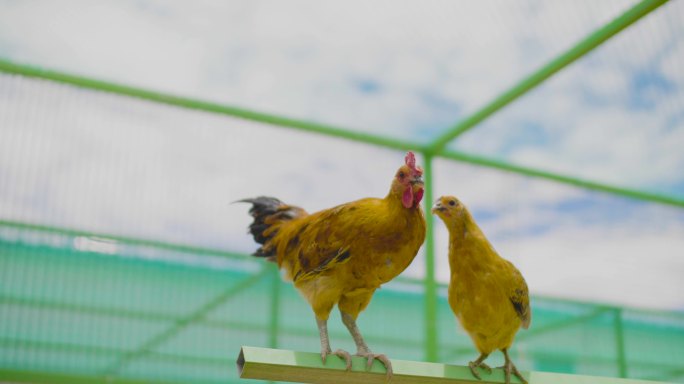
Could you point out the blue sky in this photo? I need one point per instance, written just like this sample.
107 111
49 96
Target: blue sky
122 166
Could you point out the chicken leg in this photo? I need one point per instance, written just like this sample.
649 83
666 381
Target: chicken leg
361 347
479 363
325 344
508 367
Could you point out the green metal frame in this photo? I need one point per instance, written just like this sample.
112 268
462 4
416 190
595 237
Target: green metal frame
620 343
430 282
436 149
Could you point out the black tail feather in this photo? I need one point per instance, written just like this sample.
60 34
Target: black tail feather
266 212
262 208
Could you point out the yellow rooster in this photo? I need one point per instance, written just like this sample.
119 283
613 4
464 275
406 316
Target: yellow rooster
340 256
486 292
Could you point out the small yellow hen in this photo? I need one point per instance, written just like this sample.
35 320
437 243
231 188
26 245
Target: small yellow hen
487 293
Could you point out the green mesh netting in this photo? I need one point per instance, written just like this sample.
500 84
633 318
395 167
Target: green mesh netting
128 312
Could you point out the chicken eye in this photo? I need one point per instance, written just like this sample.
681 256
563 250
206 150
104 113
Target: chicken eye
452 203
402 175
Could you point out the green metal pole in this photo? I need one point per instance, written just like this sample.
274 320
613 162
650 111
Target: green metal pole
620 343
202 105
580 49
625 192
431 345
275 307
67 349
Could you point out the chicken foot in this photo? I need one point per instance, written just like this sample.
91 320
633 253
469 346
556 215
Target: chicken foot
325 344
479 363
509 367
361 347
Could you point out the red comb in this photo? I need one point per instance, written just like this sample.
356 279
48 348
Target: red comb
410 160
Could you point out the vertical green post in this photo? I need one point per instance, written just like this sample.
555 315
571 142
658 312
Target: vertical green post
275 307
620 343
431 346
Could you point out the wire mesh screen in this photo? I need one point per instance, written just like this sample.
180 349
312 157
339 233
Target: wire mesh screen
123 262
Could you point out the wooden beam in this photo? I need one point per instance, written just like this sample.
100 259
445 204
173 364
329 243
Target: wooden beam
305 367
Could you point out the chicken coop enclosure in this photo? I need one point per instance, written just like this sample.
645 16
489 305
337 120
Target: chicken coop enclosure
122 259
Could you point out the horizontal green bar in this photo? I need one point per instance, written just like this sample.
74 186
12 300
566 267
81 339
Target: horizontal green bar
625 192
304 367
123 239
65 348
580 49
89 309
201 105
16 376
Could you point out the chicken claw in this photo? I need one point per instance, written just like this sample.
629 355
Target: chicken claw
509 367
346 356
340 353
324 354
380 357
473 365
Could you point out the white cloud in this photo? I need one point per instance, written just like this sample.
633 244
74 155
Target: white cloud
672 63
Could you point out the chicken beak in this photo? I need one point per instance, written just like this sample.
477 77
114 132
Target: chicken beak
437 207
417 180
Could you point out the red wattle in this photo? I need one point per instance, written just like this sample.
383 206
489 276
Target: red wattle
407 197
418 197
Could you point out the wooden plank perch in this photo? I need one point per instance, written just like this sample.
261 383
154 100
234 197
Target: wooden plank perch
305 367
